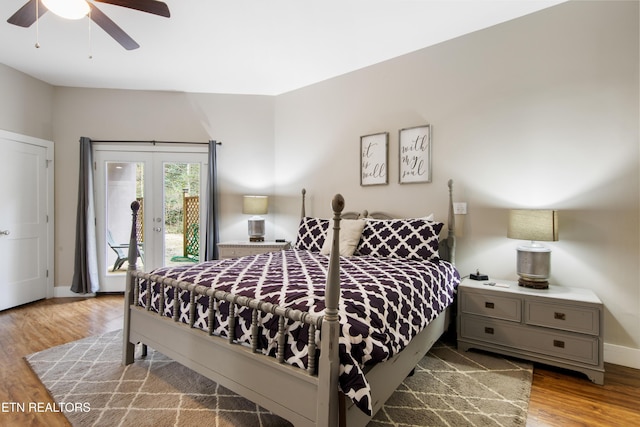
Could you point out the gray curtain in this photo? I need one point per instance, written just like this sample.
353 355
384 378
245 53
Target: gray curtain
85 271
211 196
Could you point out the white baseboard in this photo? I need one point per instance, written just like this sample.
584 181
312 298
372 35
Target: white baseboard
65 292
624 356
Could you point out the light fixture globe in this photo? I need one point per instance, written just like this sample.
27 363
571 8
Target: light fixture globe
68 9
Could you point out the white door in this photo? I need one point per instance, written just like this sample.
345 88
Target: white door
163 182
24 212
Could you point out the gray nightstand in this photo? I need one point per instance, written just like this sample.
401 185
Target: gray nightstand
244 248
559 326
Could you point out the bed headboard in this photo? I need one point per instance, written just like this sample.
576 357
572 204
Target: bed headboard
447 245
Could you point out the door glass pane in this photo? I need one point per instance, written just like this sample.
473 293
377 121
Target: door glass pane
181 213
124 184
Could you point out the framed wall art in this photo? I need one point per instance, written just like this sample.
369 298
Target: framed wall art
415 154
374 155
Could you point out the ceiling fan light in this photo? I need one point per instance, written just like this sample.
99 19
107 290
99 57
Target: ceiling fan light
68 9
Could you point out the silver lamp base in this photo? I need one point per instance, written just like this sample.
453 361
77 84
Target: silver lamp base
256 229
533 266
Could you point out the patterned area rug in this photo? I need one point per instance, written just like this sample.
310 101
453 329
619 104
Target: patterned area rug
91 387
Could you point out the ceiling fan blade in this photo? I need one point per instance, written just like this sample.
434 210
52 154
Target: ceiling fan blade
112 28
150 6
26 15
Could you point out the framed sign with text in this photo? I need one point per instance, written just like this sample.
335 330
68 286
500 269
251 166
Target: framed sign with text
374 153
415 154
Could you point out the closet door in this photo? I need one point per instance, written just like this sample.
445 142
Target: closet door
24 216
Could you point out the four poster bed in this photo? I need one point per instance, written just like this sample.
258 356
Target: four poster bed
318 340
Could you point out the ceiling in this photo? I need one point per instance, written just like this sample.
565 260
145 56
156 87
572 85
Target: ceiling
264 47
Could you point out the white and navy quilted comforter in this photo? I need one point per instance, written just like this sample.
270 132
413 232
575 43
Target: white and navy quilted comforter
384 303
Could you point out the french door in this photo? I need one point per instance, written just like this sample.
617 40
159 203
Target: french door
168 185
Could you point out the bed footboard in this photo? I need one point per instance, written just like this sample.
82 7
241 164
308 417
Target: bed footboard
304 398
256 306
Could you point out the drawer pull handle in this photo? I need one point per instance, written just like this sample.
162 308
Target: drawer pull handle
488 304
488 330
559 316
558 343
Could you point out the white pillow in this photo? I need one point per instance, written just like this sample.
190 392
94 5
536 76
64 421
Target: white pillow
350 232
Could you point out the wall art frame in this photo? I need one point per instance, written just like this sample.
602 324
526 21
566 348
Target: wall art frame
374 158
414 150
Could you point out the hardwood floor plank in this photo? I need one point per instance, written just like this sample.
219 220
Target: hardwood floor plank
558 397
35 327
566 398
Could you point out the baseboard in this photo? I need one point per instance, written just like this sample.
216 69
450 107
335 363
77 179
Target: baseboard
624 356
66 292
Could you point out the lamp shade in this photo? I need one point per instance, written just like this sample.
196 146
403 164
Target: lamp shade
68 9
255 205
533 224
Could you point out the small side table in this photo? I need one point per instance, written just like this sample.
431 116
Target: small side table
560 326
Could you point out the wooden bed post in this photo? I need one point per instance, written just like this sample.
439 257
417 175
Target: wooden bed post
448 244
128 348
451 237
303 213
328 403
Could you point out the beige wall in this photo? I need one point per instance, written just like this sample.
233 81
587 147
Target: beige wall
25 104
537 112
244 125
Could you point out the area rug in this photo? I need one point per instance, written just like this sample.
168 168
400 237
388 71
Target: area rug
92 388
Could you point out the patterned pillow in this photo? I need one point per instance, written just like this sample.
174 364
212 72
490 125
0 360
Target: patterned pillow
415 239
311 234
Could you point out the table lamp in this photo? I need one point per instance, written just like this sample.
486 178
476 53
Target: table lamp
256 206
535 225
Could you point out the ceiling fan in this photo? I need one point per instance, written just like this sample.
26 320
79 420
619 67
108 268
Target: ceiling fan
34 9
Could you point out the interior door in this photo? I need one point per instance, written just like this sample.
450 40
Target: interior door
24 213
167 184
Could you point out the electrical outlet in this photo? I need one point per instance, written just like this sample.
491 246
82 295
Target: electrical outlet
460 208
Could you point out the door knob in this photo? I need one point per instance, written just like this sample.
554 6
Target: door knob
157 228
4 232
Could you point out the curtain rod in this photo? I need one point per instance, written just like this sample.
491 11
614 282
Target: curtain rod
151 142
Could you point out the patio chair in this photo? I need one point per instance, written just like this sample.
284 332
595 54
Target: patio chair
121 250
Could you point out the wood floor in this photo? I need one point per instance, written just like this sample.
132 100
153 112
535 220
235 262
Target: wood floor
558 398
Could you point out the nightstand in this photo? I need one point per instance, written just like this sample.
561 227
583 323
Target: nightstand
559 326
244 248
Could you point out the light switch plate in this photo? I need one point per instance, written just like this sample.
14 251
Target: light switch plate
460 208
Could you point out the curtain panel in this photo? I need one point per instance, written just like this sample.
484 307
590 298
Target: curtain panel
85 271
211 196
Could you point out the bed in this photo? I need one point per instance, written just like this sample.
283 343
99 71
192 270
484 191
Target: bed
313 334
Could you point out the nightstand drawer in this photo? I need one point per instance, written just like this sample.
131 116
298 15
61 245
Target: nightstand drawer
240 252
578 348
240 249
494 306
565 317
